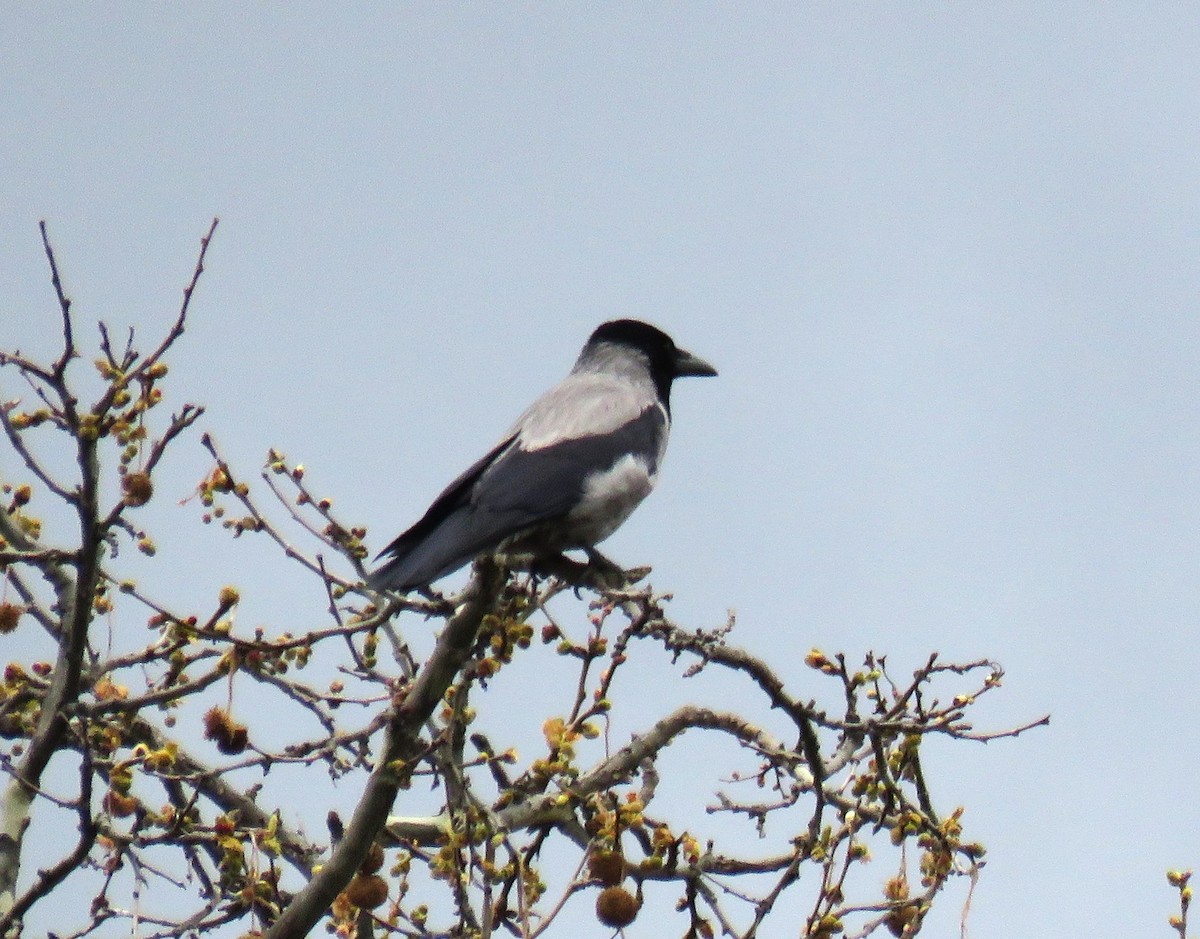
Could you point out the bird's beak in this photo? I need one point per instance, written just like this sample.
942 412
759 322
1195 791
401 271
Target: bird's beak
688 364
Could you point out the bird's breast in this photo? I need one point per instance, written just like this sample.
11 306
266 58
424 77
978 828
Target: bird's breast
609 496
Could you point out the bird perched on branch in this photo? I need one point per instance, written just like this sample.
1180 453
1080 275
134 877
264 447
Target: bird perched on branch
569 472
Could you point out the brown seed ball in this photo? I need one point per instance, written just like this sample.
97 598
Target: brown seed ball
616 907
118 804
901 919
216 723
235 742
9 614
137 487
608 867
367 891
373 861
230 737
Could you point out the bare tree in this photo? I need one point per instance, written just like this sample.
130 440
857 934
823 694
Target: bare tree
451 833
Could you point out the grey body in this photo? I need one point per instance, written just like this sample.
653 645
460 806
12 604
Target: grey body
568 473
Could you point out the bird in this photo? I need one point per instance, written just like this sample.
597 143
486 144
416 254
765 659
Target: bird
567 474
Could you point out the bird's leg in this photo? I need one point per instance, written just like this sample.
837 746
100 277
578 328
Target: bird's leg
622 576
557 565
609 574
598 572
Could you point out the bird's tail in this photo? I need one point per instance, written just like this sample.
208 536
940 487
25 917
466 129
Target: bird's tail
455 541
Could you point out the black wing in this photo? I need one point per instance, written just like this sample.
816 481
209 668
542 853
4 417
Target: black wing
392 575
507 492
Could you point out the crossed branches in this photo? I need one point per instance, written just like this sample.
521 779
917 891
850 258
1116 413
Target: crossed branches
163 778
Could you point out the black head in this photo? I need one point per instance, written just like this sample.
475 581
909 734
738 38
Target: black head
667 361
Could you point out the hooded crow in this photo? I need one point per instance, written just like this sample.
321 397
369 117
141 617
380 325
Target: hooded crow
569 472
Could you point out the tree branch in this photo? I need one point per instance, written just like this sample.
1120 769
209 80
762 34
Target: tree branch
401 746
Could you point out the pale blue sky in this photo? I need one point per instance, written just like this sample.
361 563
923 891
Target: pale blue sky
945 257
